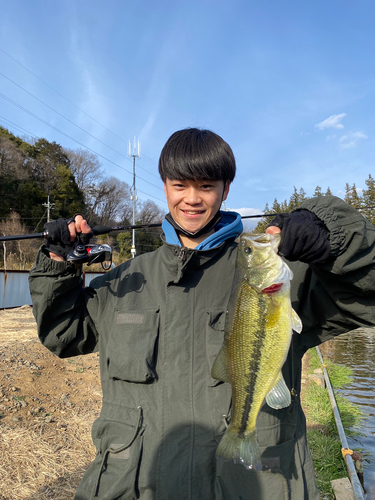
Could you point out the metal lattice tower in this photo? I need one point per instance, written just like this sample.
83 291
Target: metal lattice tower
135 153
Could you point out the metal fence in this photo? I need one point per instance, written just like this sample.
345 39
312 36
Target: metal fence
14 288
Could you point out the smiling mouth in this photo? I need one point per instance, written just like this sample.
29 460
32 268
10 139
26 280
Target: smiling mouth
190 212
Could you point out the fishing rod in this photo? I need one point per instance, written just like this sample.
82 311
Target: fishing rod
98 230
102 253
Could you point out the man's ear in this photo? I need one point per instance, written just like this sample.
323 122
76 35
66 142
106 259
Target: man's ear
226 190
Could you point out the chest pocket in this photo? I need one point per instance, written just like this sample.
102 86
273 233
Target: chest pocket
132 346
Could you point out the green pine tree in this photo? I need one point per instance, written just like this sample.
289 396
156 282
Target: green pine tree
318 191
369 199
352 197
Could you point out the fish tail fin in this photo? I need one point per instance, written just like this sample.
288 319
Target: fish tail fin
242 450
279 395
250 452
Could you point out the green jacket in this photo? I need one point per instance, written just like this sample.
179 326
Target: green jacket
158 323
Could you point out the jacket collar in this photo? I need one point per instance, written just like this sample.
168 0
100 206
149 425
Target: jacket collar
229 226
179 260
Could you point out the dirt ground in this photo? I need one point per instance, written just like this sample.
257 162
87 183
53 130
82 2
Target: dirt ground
47 407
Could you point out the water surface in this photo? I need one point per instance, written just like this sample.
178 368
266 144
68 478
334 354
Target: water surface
357 350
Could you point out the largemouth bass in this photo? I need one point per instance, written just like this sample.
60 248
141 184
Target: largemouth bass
258 332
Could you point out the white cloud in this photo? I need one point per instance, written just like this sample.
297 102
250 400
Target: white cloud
331 122
330 137
246 211
249 224
147 127
351 139
342 193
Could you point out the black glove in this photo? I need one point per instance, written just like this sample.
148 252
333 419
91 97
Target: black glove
304 237
58 239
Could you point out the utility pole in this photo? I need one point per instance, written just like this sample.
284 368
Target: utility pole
48 205
135 154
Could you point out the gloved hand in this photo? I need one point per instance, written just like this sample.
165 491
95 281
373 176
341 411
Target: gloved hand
304 237
59 240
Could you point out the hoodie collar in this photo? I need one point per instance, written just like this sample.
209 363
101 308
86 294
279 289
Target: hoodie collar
229 226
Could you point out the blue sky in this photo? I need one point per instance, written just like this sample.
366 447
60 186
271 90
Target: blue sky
289 85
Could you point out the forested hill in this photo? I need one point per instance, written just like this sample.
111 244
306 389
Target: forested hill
74 180
31 172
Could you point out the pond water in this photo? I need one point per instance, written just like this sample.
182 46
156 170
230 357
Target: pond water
357 351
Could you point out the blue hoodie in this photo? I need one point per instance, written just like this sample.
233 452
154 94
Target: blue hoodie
229 226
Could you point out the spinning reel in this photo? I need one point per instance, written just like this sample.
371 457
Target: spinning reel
91 254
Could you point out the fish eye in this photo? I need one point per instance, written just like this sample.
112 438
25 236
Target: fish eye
247 250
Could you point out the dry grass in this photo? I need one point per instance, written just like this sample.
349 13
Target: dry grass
36 462
47 407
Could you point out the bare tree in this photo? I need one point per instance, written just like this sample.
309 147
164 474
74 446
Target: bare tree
86 168
18 250
149 213
110 201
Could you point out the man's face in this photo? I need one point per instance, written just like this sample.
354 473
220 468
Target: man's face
192 204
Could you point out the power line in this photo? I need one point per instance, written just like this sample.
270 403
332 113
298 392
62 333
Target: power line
18 127
70 121
72 103
81 144
66 99
78 142
149 158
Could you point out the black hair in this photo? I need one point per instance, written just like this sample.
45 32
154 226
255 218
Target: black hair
194 154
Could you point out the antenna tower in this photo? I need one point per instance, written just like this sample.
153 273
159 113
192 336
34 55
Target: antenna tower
136 153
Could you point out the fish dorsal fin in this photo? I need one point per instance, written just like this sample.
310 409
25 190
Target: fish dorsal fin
296 322
219 369
279 395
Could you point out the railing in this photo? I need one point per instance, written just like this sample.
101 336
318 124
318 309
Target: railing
356 485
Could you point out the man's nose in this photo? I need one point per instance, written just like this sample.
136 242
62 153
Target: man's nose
192 196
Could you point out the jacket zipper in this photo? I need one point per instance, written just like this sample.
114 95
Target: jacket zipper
183 254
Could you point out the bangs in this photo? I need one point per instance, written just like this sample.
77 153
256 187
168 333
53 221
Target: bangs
193 154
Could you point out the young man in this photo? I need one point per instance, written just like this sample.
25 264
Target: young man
158 323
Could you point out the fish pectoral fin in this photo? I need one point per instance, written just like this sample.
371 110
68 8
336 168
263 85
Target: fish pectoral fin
296 322
279 395
219 369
